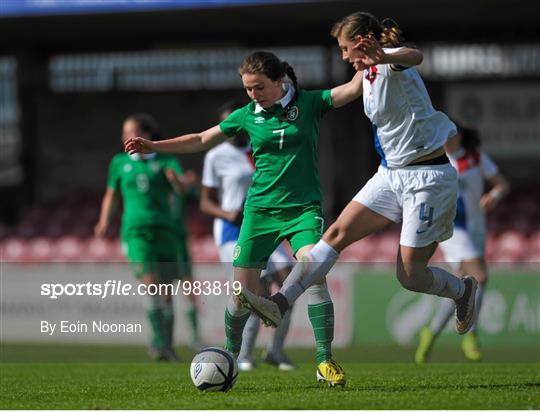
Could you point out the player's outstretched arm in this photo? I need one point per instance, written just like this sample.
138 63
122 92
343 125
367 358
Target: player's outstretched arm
189 143
373 54
346 93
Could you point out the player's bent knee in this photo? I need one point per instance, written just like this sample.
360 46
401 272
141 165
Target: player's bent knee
408 281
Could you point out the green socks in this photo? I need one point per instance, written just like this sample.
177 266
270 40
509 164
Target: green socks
234 328
321 317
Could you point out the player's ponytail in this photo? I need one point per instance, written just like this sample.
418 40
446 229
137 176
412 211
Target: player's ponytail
391 35
289 71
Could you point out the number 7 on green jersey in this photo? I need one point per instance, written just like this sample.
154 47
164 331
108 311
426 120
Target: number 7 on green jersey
281 133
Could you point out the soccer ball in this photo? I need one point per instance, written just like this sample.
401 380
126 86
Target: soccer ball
214 369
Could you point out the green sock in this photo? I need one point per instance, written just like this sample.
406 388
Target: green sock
193 323
155 316
321 317
168 324
234 328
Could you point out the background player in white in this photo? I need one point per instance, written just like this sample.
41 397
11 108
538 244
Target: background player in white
465 250
227 173
415 182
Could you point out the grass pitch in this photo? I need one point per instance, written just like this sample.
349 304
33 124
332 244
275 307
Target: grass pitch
56 385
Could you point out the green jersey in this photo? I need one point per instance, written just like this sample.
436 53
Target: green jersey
147 194
284 143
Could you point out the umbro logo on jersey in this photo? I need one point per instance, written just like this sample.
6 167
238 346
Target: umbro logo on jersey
128 168
259 120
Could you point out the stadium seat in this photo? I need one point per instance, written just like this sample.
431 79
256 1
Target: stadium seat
69 249
41 249
14 250
511 246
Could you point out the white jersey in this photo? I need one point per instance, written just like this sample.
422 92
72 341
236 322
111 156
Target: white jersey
229 169
474 168
405 124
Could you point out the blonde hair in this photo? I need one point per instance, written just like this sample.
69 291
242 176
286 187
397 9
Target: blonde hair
386 32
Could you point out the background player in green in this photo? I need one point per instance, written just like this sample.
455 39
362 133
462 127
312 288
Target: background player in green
149 185
191 188
284 200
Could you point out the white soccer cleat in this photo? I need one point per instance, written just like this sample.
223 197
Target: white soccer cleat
246 365
264 308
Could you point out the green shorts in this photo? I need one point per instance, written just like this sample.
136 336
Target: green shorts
264 229
151 249
184 258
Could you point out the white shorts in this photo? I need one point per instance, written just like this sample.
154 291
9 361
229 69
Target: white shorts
463 245
422 197
279 259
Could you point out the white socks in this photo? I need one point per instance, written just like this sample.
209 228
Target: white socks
445 284
310 270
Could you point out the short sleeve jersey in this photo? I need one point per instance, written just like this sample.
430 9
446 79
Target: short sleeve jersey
406 126
146 192
284 143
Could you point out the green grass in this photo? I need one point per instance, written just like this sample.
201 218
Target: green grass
370 386
106 377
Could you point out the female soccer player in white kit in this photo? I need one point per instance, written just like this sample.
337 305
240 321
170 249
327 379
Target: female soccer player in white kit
227 174
465 250
415 183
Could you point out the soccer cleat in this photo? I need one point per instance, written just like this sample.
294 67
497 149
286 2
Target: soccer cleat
169 355
331 373
470 347
465 306
163 354
427 338
264 308
280 360
154 353
246 365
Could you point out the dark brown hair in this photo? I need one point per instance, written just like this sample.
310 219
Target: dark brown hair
147 124
386 32
268 64
470 137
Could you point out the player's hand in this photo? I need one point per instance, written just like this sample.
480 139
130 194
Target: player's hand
101 229
139 145
371 53
488 202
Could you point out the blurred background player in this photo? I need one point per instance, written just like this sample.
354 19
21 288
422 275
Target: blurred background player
149 186
284 199
465 249
227 173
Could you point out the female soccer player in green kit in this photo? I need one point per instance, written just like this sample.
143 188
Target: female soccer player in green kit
284 200
150 186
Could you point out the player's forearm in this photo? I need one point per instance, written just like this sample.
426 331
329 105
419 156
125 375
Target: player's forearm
189 143
211 208
500 188
404 57
108 206
346 93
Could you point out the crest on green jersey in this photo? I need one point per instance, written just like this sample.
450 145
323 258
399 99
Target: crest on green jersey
237 251
292 113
